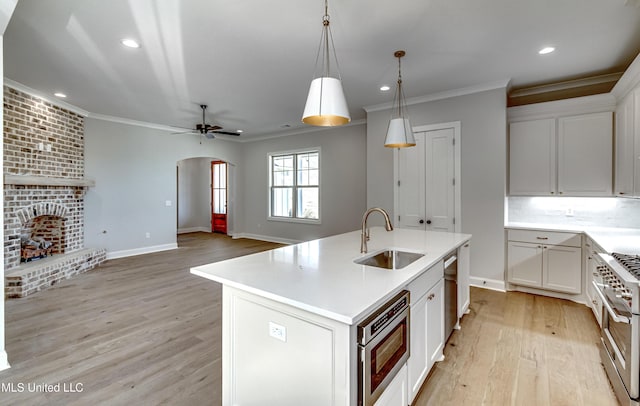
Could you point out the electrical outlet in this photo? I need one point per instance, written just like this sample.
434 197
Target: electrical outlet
277 331
569 212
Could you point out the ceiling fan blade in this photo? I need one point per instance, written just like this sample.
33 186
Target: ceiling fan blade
186 132
225 132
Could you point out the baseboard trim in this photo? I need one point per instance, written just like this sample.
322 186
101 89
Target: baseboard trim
141 251
194 230
266 238
492 284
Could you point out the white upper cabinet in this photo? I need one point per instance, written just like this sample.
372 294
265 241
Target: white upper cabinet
532 157
585 155
562 148
624 155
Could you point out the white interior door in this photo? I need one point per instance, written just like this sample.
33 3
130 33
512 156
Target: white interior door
425 184
440 180
411 186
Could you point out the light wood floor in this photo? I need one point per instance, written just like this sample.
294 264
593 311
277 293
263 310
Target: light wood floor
143 330
521 349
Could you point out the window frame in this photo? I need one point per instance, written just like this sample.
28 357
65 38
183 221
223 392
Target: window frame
295 187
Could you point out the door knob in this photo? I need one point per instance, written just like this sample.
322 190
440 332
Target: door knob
428 221
421 221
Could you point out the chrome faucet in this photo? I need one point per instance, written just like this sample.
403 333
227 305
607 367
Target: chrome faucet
364 237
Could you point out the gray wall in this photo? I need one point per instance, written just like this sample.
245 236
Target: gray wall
483 149
342 189
135 172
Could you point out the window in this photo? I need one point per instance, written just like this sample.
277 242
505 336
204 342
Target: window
295 186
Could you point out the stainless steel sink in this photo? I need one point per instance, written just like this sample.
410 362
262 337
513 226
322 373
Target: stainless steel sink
390 259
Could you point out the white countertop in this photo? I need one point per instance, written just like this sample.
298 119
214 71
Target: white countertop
611 239
320 276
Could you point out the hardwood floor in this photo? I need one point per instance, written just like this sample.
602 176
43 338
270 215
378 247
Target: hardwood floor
143 330
138 330
521 349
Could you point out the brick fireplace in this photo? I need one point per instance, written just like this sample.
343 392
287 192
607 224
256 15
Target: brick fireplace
44 188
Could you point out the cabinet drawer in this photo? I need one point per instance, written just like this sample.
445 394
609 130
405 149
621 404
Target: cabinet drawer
421 285
546 237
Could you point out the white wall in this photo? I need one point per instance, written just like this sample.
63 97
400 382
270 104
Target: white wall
343 184
6 11
483 149
194 194
135 172
4 363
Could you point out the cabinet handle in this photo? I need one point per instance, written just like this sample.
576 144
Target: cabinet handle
542 238
431 296
595 302
552 192
621 193
466 245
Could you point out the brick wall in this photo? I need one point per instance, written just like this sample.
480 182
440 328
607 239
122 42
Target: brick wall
29 121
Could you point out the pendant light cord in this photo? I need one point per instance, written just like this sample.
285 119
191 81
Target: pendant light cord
326 43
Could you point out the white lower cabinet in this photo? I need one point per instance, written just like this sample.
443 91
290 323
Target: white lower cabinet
426 338
545 260
396 393
592 263
464 271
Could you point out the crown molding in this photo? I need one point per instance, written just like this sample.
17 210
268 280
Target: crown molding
44 96
500 84
558 108
302 130
629 80
570 84
136 123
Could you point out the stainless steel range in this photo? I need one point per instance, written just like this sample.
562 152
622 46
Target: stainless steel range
619 291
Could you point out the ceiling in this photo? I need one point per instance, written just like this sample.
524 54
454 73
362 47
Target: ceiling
252 61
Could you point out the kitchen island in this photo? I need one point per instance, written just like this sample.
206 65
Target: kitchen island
290 314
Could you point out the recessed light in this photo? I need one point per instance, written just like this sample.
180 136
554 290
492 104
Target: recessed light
127 42
385 88
239 131
546 50
60 94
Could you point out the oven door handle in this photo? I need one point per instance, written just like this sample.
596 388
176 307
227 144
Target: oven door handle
615 316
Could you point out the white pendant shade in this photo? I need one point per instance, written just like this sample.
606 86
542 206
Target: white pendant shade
399 134
326 105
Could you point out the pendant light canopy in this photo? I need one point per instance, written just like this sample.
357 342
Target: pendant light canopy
399 131
326 105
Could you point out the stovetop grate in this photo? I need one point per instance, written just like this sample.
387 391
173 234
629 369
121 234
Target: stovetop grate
630 262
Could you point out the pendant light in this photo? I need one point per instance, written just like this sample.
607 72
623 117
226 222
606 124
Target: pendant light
399 131
326 105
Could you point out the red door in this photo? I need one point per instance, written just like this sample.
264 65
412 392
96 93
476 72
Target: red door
219 197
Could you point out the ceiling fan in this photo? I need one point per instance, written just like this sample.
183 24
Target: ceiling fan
208 130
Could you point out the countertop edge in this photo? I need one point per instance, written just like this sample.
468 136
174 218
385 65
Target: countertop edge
276 298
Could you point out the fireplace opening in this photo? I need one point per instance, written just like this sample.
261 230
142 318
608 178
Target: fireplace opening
41 237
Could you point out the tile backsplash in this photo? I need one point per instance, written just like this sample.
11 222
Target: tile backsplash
584 211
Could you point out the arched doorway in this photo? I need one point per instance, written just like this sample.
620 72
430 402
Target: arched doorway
205 190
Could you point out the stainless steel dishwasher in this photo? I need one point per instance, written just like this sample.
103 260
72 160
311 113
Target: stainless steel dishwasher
450 294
